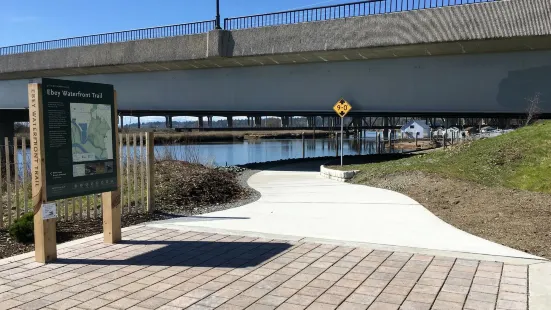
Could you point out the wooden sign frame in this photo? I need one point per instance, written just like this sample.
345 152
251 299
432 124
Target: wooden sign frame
45 229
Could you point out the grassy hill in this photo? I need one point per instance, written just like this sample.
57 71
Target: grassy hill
519 160
497 188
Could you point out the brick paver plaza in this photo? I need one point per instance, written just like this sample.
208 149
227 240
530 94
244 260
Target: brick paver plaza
157 268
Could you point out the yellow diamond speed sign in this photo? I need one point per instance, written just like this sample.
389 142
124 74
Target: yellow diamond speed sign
342 108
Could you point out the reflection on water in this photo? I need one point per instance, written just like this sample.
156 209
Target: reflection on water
243 152
222 154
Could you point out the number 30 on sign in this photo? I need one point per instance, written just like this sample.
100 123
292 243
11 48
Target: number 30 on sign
342 107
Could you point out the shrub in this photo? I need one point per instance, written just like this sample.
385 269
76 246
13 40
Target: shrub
23 228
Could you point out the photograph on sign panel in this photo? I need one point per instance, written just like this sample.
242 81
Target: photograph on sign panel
91 132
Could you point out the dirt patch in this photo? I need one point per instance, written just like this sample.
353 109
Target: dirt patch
515 218
410 145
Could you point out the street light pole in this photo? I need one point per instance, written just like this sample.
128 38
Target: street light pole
218 14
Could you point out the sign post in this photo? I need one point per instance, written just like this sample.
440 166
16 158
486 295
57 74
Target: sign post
342 107
73 144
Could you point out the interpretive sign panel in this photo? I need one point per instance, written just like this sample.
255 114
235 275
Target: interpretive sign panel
79 138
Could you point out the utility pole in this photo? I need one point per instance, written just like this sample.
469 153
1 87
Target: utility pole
218 14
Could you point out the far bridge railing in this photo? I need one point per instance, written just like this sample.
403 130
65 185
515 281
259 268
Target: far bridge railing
113 37
362 8
346 10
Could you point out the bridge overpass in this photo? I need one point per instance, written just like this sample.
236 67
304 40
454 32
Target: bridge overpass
456 60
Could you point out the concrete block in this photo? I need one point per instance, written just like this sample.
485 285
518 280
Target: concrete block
337 175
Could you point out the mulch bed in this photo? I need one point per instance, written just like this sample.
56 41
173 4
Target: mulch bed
185 188
515 218
181 189
72 230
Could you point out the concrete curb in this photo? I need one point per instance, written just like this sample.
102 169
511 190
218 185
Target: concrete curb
337 175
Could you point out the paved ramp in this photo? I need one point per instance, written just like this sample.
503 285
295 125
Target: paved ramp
302 204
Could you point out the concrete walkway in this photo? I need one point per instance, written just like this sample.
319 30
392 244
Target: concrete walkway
238 262
301 203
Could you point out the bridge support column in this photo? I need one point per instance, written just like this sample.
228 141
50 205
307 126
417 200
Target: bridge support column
200 121
6 130
230 121
209 121
139 123
258 121
386 129
122 121
168 122
285 121
503 123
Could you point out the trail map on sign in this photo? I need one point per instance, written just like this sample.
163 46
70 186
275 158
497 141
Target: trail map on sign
91 132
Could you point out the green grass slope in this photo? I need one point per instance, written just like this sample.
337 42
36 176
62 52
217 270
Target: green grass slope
520 159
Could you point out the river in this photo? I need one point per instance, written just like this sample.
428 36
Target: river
243 152
254 151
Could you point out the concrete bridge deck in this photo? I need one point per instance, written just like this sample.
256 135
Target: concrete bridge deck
472 60
508 25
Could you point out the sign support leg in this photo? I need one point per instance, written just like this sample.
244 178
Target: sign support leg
112 200
342 143
44 229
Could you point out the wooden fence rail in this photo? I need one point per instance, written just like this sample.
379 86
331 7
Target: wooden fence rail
15 185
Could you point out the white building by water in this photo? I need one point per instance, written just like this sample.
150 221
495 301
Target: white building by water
417 128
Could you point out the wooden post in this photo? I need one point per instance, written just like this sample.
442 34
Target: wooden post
150 172
377 142
111 201
88 206
120 136
44 230
314 136
1 196
128 182
303 146
66 207
80 207
95 202
8 178
16 178
142 171
135 170
24 154
74 209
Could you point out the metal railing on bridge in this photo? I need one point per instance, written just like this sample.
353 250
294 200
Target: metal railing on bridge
363 8
113 37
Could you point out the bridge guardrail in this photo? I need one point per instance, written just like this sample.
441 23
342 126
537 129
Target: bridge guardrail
362 8
354 9
113 37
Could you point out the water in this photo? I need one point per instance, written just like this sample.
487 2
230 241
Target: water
243 152
221 154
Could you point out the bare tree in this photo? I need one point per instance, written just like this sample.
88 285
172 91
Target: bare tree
533 110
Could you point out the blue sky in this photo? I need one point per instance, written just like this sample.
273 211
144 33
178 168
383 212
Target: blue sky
26 21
